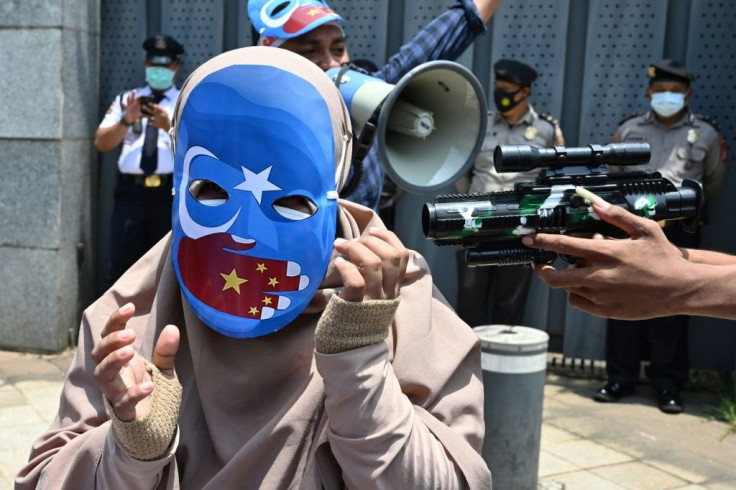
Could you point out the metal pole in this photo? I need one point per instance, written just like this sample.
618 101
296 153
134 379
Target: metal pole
514 360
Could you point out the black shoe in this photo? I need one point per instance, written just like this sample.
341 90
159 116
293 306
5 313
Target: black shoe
669 401
613 392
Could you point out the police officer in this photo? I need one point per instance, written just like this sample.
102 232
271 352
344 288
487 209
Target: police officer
684 146
140 119
498 294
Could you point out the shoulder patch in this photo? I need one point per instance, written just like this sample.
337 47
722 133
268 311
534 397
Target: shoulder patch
630 117
710 121
559 139
549 118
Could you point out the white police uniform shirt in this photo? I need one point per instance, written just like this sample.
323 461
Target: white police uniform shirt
130 156
540 131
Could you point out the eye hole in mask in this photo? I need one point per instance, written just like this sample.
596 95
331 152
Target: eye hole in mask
208 193
278 8
295 208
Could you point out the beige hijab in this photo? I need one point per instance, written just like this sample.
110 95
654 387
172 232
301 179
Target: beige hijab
252 412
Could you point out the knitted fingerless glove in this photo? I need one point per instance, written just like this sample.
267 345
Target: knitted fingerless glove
347 325
149 438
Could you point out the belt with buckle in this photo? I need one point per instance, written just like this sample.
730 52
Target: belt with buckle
154 180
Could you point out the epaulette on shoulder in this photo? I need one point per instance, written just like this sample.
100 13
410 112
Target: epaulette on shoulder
549 118
710 121
630 117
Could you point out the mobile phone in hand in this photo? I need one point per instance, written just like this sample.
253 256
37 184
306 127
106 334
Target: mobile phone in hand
145 100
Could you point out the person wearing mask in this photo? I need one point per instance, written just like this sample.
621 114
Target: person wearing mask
497 295
312 29
140 120
683 146
278 337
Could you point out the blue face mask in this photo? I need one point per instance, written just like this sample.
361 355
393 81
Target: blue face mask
159 77
247 261
667 104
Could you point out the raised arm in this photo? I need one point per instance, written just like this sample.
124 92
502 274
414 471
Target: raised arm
446 37
486 8
121 115
381 435
83 448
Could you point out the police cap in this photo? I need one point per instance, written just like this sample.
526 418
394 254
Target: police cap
162 49
670 71
515 72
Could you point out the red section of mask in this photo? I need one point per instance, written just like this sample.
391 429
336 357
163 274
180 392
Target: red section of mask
236 284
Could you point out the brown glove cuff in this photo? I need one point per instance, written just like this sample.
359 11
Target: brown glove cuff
347 325
149 438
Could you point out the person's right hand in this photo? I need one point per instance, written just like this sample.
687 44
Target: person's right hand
121 373
132 108
372 267
629 279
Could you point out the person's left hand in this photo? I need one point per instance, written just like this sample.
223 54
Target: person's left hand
158 117
372 267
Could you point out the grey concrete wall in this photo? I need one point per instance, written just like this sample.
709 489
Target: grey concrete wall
49 85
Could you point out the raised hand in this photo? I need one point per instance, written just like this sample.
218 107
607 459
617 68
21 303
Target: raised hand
372 267
121 373
132 108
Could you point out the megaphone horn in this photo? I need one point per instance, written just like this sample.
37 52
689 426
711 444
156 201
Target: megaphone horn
429 126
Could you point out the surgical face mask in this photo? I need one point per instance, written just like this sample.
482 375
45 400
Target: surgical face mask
667 104
159 77
504 100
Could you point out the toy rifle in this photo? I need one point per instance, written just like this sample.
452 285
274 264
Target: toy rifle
491 225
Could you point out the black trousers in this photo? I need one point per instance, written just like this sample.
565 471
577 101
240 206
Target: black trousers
491 295
661 340
140 218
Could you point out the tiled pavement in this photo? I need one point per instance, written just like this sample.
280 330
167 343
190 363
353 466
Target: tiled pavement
631 444
585 445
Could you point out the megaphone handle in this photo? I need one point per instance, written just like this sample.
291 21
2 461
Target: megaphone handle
360 151
344 68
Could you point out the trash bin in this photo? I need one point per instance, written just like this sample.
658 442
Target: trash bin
514 360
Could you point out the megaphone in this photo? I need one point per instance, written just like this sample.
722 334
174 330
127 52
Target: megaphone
429 127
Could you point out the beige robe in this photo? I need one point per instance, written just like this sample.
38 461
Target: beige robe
270 412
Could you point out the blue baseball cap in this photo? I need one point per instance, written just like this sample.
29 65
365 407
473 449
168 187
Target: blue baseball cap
286 19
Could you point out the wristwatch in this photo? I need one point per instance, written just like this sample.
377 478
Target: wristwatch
124 122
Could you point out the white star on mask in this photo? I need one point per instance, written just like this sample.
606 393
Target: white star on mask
257 183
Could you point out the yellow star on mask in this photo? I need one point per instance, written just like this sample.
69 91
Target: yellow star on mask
261 267
253 310
313 12
266 300
232 281
272 282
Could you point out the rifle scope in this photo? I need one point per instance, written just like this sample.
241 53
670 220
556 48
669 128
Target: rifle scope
522 158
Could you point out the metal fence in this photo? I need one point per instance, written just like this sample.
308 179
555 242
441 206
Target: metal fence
591 56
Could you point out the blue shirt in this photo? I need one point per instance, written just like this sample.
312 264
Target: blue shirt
445 38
